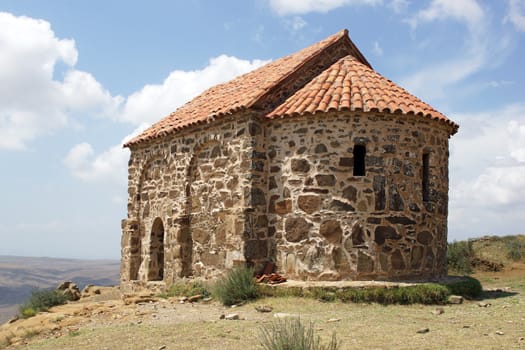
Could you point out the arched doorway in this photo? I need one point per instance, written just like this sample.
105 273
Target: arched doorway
156 251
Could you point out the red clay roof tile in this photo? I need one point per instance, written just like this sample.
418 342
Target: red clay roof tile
349 84
369 92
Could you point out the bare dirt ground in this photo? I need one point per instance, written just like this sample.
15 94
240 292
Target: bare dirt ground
106 322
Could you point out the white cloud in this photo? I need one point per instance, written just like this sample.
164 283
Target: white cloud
289 7
468 11
432 80
110 165
296 23
147 106
377 49
32 101
155 101
398 5
516 14
487 171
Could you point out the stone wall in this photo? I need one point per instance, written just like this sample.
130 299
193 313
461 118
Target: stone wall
330 224
197 185
244 190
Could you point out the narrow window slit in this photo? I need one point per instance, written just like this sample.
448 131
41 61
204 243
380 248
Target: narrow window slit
426 177
359 160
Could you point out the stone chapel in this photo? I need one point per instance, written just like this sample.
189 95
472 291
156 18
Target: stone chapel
314 162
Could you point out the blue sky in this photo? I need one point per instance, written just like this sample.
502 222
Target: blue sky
79 77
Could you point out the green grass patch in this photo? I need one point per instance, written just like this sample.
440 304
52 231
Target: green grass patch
459 256
426 293
515 247
42 300
468 287
292 334
187 288
236 286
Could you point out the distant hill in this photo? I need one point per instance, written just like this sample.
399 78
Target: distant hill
20 275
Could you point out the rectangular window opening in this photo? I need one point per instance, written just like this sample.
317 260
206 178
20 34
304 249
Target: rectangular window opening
359 160
426 177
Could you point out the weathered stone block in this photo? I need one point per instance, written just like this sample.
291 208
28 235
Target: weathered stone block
397 261
331 230
382 233
299 165
350 193
309 203
380 194
325 180
424 237
338 205
296 229
403 220
283 207
365 263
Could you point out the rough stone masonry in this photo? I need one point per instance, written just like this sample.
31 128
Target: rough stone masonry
326 169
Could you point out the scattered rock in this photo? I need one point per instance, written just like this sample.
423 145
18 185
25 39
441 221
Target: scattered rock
483 304
284 315
455 299
273 278
423 330
438 311
194 298
13 319
222 316
70 290
207 300
90 290
137 299
231 317
264 308
334 320
162 347
499 333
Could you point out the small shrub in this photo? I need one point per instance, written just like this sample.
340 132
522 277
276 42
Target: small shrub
291 334
459 256
30 333
187 289
42 300
467 287
237 286
7 340
515 247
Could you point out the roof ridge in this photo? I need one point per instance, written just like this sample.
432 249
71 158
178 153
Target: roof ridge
367 91
331 40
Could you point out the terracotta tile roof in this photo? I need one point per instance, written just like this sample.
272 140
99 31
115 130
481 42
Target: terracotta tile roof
240 93
349 85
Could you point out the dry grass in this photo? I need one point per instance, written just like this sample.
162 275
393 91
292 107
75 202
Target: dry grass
358 326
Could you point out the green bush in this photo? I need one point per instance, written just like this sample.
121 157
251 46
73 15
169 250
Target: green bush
42 300
291 334
430 293
237 286
515 247
187 289
467 287
419 294
459 255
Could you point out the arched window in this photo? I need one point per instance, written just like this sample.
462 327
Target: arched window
425 178
156 267
359 160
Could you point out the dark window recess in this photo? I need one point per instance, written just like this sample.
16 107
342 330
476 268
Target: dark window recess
426 177
359 160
